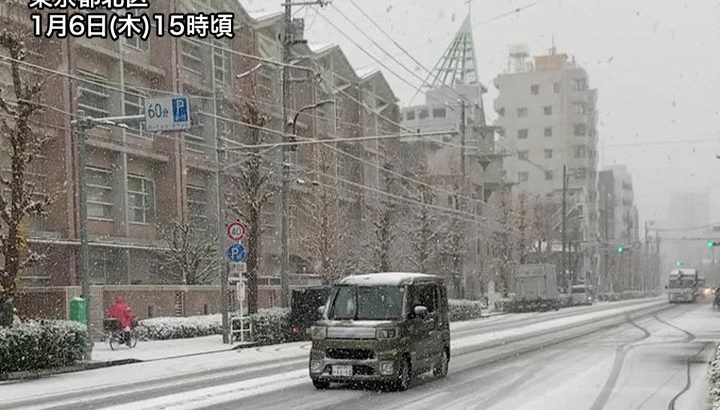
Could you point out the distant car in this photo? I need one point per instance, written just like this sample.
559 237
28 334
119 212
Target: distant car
384 327
304 304
580 295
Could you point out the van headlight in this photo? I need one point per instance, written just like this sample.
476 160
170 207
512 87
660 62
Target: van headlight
318 332
386 333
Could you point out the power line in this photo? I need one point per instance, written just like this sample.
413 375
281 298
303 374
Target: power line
125 91
654 143
376 44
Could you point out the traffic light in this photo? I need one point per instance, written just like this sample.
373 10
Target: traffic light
621 249
712 244
678 263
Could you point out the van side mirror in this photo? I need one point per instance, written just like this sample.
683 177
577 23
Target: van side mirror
420 311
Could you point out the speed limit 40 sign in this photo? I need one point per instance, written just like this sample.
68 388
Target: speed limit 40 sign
237 231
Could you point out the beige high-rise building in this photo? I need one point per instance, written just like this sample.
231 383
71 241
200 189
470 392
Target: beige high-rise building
547 110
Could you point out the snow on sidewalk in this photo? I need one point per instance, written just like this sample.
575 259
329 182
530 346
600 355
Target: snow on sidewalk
160 349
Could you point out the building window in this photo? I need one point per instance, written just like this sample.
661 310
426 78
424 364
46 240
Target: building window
522 134
439 113
580 130
579 108
501 132
193 56
193 141
293 221
136 43
197 203
410 115
548 175
548 131
547 110
581 173
523 176
135 105
535 89
548 153
580 151
94 97
100 202
523 155
423 114
522 112
101 264
141 200
221 60
339 113
556 88
501 112
580 84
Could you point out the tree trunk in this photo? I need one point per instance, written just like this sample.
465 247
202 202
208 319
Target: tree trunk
252 264
7 313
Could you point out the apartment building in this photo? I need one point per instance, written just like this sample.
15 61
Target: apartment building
139 181
547 111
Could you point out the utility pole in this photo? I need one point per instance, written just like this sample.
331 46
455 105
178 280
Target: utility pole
606 244
82 124
464 186
81 127
285 261
646 259
288 41
223 266
563 264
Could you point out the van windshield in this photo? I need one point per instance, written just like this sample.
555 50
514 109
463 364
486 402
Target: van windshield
366 303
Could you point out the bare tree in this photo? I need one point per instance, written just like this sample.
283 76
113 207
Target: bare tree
325 236
382 223
252 190
190 257
502 245
425 234
19 196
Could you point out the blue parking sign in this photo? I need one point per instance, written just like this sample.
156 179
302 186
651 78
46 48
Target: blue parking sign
236 253
180 109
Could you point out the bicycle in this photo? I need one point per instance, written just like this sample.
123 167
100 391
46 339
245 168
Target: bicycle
118 336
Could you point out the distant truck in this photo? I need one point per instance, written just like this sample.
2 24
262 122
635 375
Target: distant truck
683 285
534 289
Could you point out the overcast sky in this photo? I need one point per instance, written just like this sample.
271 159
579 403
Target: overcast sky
656 64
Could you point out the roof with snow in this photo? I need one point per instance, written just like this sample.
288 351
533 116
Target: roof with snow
257 13
458 64
366 72
389 279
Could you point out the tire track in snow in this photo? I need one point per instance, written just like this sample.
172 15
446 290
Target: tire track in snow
620 352
688 380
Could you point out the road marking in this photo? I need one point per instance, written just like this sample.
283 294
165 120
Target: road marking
220 394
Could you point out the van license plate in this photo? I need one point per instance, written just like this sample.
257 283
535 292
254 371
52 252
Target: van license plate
342 370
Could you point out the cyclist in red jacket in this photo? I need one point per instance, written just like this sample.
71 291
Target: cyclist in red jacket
122 313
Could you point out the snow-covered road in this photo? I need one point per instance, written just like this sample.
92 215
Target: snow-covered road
626 356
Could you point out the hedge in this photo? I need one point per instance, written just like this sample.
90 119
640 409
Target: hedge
465 309
270 326
42 345
714 379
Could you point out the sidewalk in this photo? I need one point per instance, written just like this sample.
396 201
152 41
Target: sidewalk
161 349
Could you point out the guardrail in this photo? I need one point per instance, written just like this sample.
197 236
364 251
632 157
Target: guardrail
241 329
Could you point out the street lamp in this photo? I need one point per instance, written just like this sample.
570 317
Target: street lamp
284 237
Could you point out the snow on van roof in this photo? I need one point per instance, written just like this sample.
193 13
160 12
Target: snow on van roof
387 279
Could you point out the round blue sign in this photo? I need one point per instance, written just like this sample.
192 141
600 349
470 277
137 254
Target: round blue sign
237 253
